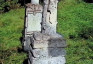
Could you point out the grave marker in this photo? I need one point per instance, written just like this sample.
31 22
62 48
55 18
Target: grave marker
43 44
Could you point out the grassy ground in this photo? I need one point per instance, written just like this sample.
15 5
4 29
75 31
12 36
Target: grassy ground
11 25
75 23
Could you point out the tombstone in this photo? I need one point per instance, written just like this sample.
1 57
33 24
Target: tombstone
43 44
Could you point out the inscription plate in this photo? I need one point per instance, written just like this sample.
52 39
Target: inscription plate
34 22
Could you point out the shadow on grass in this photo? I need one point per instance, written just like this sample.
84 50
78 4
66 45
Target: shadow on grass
25 61
20 50
88 1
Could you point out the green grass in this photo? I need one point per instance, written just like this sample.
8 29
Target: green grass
11 26
76 24
75 20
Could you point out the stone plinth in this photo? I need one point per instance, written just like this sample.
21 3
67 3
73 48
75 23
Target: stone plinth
45 49
46 41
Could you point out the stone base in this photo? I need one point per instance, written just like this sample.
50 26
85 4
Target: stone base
44 49
46 41
48 52
47 56
53 60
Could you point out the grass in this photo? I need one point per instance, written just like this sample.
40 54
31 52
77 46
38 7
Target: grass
11 25
75 20
75 23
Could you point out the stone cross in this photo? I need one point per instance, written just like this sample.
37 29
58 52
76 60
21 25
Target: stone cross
43 44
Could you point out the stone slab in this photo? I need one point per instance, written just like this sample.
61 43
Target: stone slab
34 22
40 36
48 52
40 44
50 43
53 60
57 42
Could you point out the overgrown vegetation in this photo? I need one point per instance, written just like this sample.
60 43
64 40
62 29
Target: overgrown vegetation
75 19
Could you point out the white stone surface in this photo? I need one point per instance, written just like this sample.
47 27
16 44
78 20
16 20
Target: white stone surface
35 1
34 22
53 60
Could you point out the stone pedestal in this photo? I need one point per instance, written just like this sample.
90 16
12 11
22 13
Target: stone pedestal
45 49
